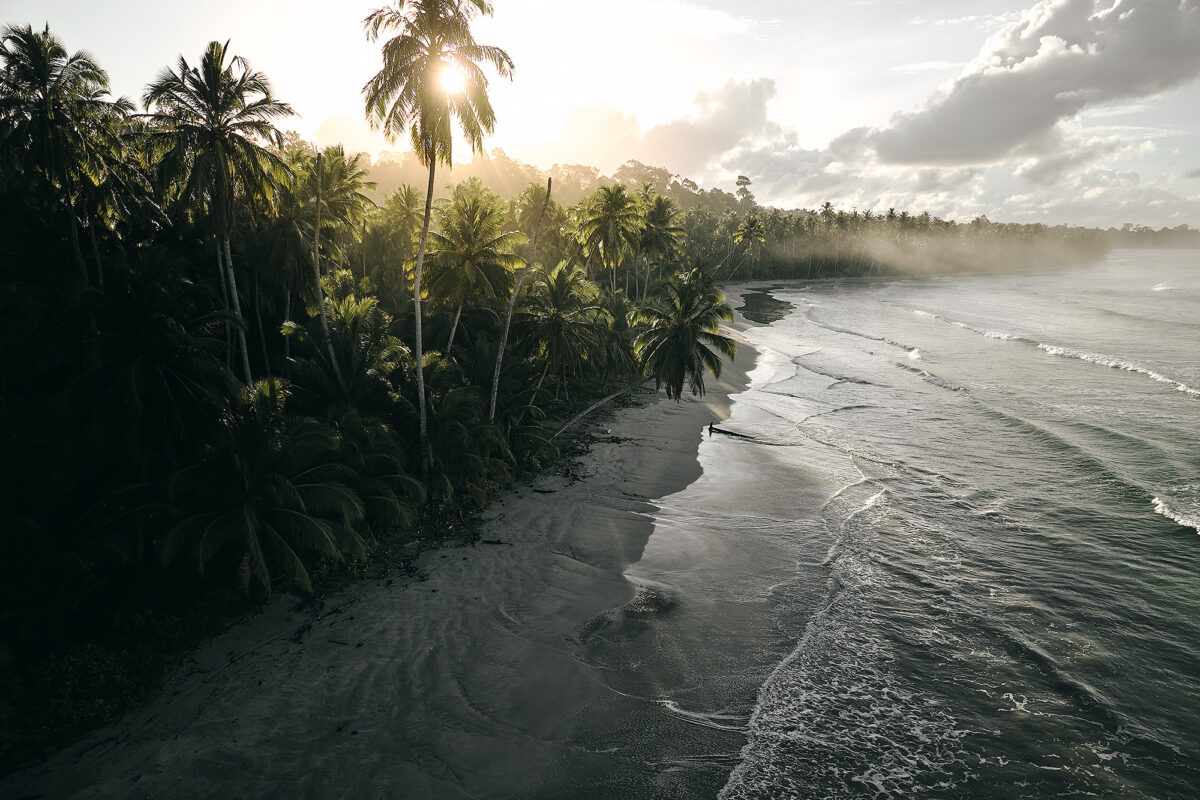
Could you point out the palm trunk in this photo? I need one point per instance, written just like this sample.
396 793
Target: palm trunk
420 350
536 389
453 330
512 304
333 362
225 308
262 338
79 262
96 256
237 310
287 340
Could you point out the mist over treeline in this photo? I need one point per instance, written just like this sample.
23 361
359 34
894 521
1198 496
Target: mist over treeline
782 243
1130 235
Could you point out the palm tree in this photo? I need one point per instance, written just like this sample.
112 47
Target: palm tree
530 195
211 125
562 323
337 190
434 41
53 108
274 495
473 256
661 233
680 328
611 225
402 210
750 234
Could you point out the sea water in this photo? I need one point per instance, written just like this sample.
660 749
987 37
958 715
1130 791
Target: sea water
1002 571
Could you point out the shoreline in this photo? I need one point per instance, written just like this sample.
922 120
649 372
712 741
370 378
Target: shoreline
459 683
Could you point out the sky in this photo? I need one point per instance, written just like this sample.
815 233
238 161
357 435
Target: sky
1063 111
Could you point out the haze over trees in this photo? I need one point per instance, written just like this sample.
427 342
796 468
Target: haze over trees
234 361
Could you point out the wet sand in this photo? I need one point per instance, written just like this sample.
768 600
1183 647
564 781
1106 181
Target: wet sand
472 683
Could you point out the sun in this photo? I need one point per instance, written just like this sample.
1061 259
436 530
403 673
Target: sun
451 79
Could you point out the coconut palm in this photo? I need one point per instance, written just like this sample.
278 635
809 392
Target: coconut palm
661 233
402 211
260 505
610 226
472 255
681 340
528 199
562 323
211 125
434 41
750 234
335 183
54 112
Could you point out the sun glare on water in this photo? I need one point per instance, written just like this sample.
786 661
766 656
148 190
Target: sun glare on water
452 80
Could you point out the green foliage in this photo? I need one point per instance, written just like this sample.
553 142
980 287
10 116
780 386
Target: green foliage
681 340
165 442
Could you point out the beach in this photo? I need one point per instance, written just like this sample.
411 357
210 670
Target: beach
470 680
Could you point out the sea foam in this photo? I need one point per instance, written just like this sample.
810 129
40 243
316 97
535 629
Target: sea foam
1001 335
1116 363
1172 513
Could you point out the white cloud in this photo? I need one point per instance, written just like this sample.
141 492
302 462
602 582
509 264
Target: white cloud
721 121
1061 57
929 66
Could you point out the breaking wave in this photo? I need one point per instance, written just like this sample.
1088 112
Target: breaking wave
1116 363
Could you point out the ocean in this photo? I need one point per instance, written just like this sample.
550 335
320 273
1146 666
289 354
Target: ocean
946 545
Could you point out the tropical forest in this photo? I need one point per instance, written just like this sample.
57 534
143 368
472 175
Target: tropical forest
236 363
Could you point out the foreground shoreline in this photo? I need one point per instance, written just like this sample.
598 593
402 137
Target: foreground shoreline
459 685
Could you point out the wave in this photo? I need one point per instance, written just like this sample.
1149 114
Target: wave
1094 358
832 375
929 377
1001 335
836 718
1116 363
859 334
1172 513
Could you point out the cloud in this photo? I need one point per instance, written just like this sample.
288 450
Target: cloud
735 113
1193 174
1070 157
980 20
723 120
1006 138
1061 57
928 66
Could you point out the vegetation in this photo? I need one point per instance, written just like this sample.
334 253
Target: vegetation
224 369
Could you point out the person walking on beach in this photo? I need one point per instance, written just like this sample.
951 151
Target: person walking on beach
710 429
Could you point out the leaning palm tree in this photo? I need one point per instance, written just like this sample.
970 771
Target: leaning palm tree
473 256
681 340
210 126
414 91
751 234
531 195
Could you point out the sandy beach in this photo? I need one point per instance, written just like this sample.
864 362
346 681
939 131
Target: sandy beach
470 683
